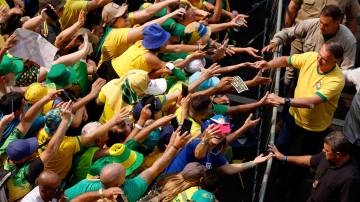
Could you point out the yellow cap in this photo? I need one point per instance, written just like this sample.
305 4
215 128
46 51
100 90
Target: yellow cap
35 92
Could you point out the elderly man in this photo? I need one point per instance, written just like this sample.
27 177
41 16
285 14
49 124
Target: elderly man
337 176
316 96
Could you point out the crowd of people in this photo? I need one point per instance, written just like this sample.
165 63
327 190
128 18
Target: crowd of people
134 105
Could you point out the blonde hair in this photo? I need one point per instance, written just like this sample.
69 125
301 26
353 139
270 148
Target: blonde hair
174 185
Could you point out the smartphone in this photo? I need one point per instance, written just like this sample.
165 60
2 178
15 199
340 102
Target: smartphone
184 90
175 123
65 96
51 13
186 126
224 128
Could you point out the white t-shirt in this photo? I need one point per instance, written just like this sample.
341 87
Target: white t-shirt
34 196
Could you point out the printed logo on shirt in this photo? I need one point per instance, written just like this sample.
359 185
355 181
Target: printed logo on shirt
318 85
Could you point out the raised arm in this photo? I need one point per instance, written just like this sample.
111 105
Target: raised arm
30 115
231 24
202 148
95 90
136 33
298 160
234 168
176 143
102 130
75 57
4 121
143 134
35 22
246 126
55 141
144 15
96 195
69 32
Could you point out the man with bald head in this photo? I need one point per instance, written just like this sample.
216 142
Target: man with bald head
112 177
48 188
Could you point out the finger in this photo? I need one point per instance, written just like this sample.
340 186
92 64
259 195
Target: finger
249 117
147 106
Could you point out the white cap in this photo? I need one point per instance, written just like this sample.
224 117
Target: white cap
195 65
157 86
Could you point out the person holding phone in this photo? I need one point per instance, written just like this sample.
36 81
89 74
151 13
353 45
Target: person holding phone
208 151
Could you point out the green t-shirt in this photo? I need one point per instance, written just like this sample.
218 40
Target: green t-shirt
82 163
174 28
133 188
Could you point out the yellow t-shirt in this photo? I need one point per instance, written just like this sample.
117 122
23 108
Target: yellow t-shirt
195 127
108 113
133 58
62 161
115 44
3 3
328 86
71 12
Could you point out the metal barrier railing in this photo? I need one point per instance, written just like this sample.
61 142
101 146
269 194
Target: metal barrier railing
267 128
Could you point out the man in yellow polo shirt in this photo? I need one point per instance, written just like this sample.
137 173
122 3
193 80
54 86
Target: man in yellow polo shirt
316 97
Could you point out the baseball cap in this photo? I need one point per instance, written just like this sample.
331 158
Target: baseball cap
112 11
211 82
21 148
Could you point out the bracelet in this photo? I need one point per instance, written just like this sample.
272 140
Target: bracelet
101 193
175 147
204 142
138 126
285 158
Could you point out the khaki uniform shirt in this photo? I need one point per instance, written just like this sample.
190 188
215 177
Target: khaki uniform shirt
312 8
309 32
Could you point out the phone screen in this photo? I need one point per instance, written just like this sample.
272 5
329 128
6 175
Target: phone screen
186 126
184 90
174 123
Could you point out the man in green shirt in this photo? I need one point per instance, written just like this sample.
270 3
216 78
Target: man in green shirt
113 175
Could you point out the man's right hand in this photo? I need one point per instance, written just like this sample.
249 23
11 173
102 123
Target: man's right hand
275 151
180 140
262 64
269 48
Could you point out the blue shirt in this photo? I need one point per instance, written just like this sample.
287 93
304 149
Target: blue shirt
187 155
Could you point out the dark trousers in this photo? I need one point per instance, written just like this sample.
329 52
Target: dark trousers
295 140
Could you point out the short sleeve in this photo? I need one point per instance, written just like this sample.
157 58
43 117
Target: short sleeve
299 60
131 18
330 89
135 188
102 97
315 160
220 109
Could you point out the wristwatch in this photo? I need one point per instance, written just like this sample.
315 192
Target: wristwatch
287 102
